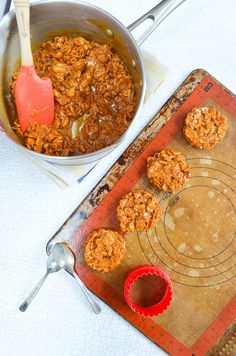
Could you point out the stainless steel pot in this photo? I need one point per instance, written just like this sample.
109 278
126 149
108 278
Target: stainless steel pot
59 16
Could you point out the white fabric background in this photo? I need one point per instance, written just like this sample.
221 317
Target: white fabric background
199 34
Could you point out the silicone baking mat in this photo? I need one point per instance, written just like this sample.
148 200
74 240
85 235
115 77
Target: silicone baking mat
194 242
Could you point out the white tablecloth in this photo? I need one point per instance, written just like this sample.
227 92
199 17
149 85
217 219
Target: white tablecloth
199 34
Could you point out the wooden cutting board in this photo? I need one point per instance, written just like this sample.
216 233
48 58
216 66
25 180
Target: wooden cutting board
194 243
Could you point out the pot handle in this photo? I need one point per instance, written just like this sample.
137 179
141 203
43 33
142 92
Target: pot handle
157 14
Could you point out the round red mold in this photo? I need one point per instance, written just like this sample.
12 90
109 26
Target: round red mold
155 309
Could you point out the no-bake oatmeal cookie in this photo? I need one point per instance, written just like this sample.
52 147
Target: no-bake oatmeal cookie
167 170
138 210
205 127
104 250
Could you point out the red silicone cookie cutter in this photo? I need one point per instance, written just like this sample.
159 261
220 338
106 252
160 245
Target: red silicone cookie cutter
154 309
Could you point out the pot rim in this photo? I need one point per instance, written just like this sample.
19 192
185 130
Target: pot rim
138 107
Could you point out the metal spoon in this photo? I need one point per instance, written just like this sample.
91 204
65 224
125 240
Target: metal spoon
66 260
52 266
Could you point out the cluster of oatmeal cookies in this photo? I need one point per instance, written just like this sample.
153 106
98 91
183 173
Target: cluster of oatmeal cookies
105 248
167 171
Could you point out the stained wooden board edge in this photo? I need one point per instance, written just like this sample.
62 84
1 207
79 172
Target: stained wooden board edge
112 176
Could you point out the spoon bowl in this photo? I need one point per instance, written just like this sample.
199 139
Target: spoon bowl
63 256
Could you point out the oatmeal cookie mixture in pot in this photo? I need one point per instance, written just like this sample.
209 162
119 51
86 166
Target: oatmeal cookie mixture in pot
92 87
167 170
138 210
205 127
104 250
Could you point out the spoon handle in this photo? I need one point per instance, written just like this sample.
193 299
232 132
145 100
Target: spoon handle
87 294
33 293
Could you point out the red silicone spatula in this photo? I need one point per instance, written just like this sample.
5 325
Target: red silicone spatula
34 95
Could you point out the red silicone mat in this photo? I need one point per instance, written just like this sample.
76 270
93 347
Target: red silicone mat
194 243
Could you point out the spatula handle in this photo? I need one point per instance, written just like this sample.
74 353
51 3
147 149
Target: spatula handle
23 22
